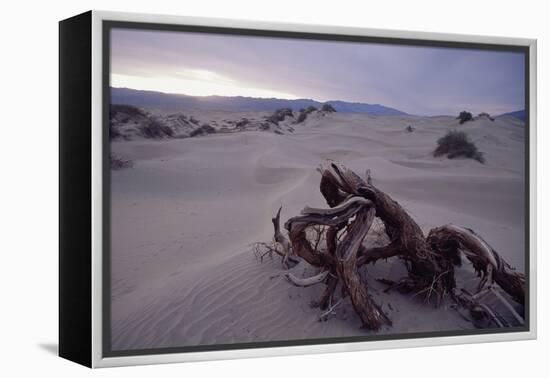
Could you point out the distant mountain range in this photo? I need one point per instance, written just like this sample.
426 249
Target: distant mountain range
237 104
520 114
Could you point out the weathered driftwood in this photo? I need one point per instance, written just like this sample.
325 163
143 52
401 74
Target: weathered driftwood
370 313
428 270
430 261
280 238
484 316
489 265
305 282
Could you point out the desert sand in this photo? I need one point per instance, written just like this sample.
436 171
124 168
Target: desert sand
185 216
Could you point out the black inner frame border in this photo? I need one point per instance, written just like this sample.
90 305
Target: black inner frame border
108 25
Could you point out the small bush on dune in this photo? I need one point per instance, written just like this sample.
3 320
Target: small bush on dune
457 144
302 117
486 115
264 126
155 129
311 109
203 130
119 113
465 117
304 113
285 112
149 126
280 115
328 108
242 123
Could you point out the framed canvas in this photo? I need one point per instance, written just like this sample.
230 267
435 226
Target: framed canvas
232 189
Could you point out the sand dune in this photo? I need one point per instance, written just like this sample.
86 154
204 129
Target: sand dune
184 217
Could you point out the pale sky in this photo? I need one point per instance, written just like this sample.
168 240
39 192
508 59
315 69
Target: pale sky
416 80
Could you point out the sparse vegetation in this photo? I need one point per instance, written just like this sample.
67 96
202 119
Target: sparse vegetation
304 113
119 113
486 115
457 144
153 128
279 115
328 108
148 126
242 123
118 163
465 117
203 130
302 117
409 128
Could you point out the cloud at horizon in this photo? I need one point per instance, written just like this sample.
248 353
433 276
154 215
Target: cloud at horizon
417 80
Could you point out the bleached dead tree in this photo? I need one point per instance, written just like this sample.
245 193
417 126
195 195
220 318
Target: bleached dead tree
354 203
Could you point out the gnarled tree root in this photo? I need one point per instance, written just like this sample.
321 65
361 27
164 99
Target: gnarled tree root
489 265
430 261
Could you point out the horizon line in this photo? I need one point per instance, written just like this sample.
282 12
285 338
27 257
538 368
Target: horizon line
299 99
258 98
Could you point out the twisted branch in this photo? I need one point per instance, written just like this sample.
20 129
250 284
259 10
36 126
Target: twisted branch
430 261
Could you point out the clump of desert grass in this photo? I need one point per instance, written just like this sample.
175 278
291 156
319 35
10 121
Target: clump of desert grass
486 115
465 117
149 127
304 112
328 108
457 144
242 123
153 128
205 129
279 115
